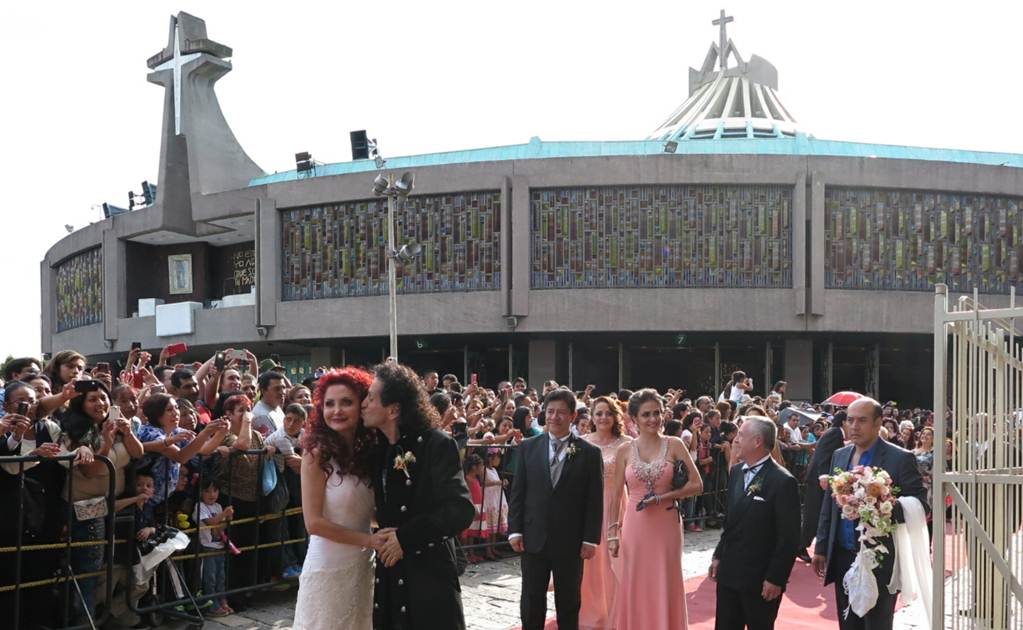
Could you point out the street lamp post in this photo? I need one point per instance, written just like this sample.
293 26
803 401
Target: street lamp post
394 189
392 280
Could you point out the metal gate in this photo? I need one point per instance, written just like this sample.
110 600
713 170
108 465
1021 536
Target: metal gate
978 465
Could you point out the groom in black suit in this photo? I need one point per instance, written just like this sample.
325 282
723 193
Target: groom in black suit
837 539
556 512
760 539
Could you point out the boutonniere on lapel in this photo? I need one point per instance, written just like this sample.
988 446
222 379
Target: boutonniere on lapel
753 489
403 461
571 450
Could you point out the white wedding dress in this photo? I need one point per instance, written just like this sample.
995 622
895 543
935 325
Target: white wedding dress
336 586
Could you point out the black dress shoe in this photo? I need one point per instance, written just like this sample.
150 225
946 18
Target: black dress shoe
805 557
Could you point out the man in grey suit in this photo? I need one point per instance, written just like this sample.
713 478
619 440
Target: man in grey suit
838 540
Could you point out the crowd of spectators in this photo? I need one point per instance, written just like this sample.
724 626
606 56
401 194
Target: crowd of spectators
208 447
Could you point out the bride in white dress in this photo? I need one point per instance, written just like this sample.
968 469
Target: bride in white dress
336 585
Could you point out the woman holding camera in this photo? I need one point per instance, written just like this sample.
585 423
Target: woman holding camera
88 422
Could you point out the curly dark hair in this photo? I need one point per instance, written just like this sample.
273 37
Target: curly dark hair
399 384
331 448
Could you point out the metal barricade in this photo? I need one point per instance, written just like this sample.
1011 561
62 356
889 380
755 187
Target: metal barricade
68 578
178 607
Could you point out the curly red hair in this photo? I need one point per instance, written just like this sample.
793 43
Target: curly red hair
331 449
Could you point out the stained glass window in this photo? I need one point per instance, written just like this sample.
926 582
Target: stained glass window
80 290
662 236
340 250
911 240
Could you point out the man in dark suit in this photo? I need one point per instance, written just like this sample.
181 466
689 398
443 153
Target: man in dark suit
837 538
832 440
757 548
422 504
555 513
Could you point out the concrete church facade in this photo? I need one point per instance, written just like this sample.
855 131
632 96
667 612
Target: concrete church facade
727 239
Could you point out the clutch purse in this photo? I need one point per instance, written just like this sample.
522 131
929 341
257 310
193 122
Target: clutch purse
679 478
88 509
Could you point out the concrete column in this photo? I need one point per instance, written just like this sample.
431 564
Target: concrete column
511 362
829 369
571 365
520 246
621 366
799 245
717 368
268 262
465 364
817 244
506 246
543 356
48 293
872 371
114 283
798 369
768 360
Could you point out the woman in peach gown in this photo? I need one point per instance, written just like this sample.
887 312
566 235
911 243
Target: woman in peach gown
599 580
650 590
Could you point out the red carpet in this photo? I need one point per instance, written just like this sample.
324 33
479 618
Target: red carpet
806 604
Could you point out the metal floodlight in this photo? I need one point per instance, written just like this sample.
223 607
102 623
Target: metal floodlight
404 185
374 153
670 146
380 185
408 252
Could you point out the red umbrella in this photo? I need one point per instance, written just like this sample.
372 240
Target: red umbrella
842 399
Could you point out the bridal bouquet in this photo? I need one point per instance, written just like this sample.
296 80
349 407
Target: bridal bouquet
866 496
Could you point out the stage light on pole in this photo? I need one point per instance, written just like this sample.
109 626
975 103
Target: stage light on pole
404 185
670 146
393 189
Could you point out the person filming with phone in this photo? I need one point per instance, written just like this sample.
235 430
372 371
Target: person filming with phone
91 421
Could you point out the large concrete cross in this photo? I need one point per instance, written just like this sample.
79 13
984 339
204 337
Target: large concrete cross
723 21
175 63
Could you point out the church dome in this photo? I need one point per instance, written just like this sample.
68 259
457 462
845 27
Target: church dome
740 101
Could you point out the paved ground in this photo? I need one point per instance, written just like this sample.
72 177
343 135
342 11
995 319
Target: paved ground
490 593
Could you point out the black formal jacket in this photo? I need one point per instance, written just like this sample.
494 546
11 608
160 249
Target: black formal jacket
760 538
832 440
429 508
557 520
901 466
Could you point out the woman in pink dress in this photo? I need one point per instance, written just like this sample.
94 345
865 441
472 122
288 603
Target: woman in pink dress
650 590
599 580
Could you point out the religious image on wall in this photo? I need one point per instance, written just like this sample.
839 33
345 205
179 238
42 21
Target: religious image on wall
662 236
340 250
243 268
80 290
912 240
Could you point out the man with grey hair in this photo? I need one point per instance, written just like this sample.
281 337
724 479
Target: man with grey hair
758 545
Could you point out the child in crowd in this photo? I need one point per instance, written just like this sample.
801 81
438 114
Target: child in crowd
145 520
495 503
210 517
287 440
477 530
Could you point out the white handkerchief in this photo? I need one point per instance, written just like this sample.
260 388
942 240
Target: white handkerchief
759 498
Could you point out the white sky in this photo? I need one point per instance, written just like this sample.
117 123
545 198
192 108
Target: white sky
79 123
